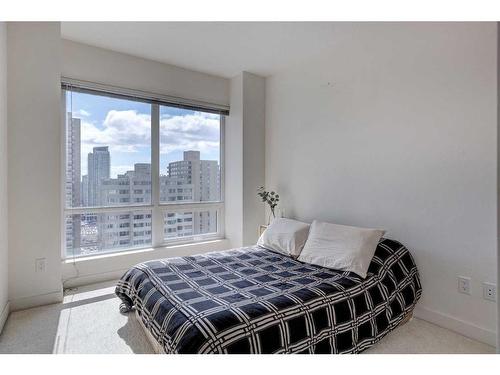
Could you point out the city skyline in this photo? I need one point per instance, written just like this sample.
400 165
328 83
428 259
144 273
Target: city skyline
101 149
100 159
124 126
189 180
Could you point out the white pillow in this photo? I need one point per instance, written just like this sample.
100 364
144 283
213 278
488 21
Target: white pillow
341 247
285 236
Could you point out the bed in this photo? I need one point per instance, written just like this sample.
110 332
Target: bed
253 300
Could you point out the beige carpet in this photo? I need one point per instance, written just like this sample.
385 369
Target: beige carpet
88 321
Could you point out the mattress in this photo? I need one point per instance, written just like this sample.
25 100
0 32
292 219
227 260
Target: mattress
253 300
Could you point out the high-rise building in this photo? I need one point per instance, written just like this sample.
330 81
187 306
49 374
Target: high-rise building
193 180
130 188
126 229
98 165
73 196
85 190
203 175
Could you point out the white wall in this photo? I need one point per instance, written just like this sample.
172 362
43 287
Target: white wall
34 181
234 165
254 151
395 127
4 292
498 183
245 159
84 62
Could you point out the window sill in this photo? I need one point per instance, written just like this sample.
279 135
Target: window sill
143 250
111 266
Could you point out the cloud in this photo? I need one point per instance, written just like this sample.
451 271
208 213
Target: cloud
198 131
81 113
128 131
123 131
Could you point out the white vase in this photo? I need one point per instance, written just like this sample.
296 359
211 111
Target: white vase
278 212
270 218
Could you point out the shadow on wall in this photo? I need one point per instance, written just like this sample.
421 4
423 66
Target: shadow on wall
87 321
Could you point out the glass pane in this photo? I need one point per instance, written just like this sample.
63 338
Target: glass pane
108 151
189 156
95 233
180 224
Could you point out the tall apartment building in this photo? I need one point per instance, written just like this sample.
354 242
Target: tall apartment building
84 189
72 185
133 187
193 180
203 175
125 228
98 166
81 230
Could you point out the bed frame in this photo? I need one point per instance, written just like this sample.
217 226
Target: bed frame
158 349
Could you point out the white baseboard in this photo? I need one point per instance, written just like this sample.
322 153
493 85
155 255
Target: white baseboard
467 329
4 315
33 301
83 280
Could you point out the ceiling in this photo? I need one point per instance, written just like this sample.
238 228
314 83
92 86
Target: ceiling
220 48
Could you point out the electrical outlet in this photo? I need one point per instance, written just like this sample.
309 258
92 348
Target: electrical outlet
40 264
490 291
464 284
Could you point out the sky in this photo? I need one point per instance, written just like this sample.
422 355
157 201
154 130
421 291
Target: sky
125 126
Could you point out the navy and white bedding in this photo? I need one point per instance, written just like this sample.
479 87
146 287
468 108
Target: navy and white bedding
252 300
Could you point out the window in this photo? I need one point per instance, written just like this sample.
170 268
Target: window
133 163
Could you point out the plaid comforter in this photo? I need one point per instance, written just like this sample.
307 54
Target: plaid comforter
252 300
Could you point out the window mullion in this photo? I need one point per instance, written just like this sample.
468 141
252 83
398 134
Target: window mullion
157 214
221 218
